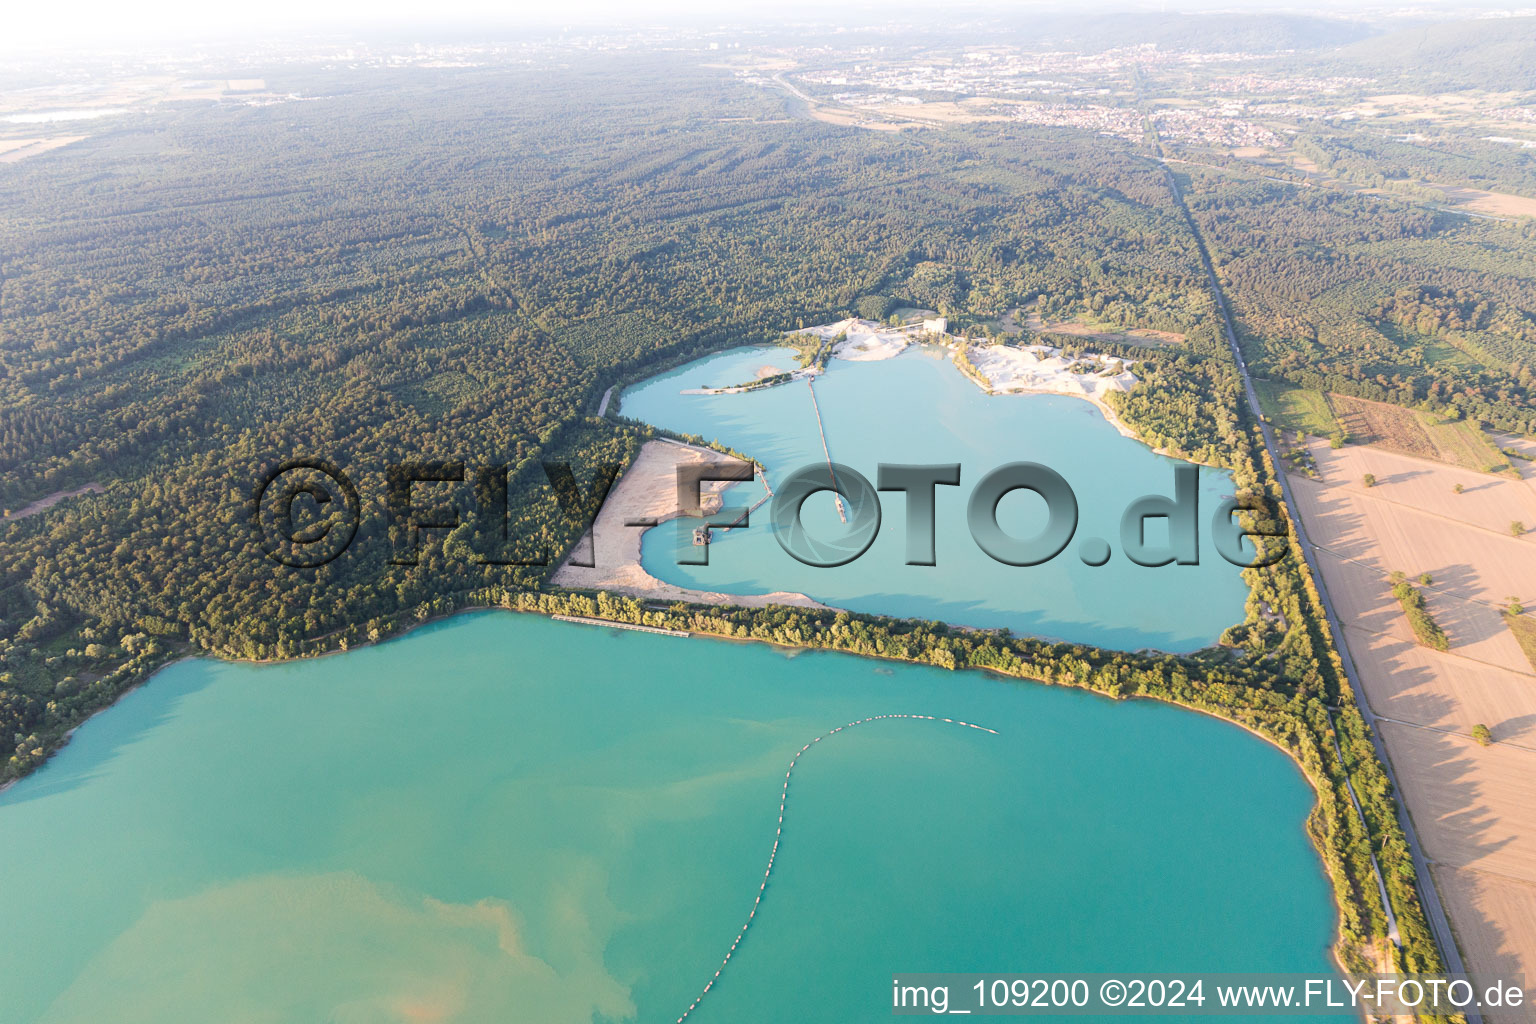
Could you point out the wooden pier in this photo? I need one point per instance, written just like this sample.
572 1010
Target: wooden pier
837 494
621 625
701 535
765 499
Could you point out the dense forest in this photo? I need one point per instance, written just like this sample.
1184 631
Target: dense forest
1374 298
1406 163
349 294
454 266
1480 53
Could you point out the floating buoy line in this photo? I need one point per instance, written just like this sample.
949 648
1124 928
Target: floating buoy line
778 837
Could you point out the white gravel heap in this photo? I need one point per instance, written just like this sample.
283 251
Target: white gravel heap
867 341
1043 368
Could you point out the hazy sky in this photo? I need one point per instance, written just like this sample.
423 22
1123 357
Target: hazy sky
64 20
51 23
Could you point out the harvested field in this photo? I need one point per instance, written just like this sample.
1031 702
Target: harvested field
851 119
1525 468
1487 502
15 150
1400 106
1474 807
966 111
1425 435
1389 426
1495 204
1499 917
1404 682
1464 797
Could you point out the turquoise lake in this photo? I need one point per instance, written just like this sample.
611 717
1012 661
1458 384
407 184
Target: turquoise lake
918 408
501 818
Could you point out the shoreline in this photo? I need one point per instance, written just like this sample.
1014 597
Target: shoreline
637 493
69 734
1096 400
634 581
647 492
479 609
1112 415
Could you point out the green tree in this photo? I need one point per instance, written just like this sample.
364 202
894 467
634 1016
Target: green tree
873 307
1482 734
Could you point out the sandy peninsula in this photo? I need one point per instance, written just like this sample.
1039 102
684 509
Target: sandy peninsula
648 491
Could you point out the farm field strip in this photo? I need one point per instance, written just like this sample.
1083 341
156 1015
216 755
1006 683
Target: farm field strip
1474 807
1498 914
1476 630
1401 683
1450 732
1409 432
1468 801
1490 503
1385 576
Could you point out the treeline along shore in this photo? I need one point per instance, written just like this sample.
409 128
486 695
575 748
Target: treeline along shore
1276 673
478 308
1305 725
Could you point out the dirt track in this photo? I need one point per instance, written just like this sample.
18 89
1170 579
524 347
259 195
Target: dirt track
44 504
1474 807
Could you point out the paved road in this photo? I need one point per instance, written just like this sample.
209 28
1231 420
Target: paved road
785 83
1430 897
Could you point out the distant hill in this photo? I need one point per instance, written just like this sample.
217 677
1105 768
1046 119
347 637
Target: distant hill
1489 53
1210 33
1097 32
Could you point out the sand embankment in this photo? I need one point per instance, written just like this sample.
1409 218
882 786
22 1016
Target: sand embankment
1043 370
1005 370
865 341
15 150
648 491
